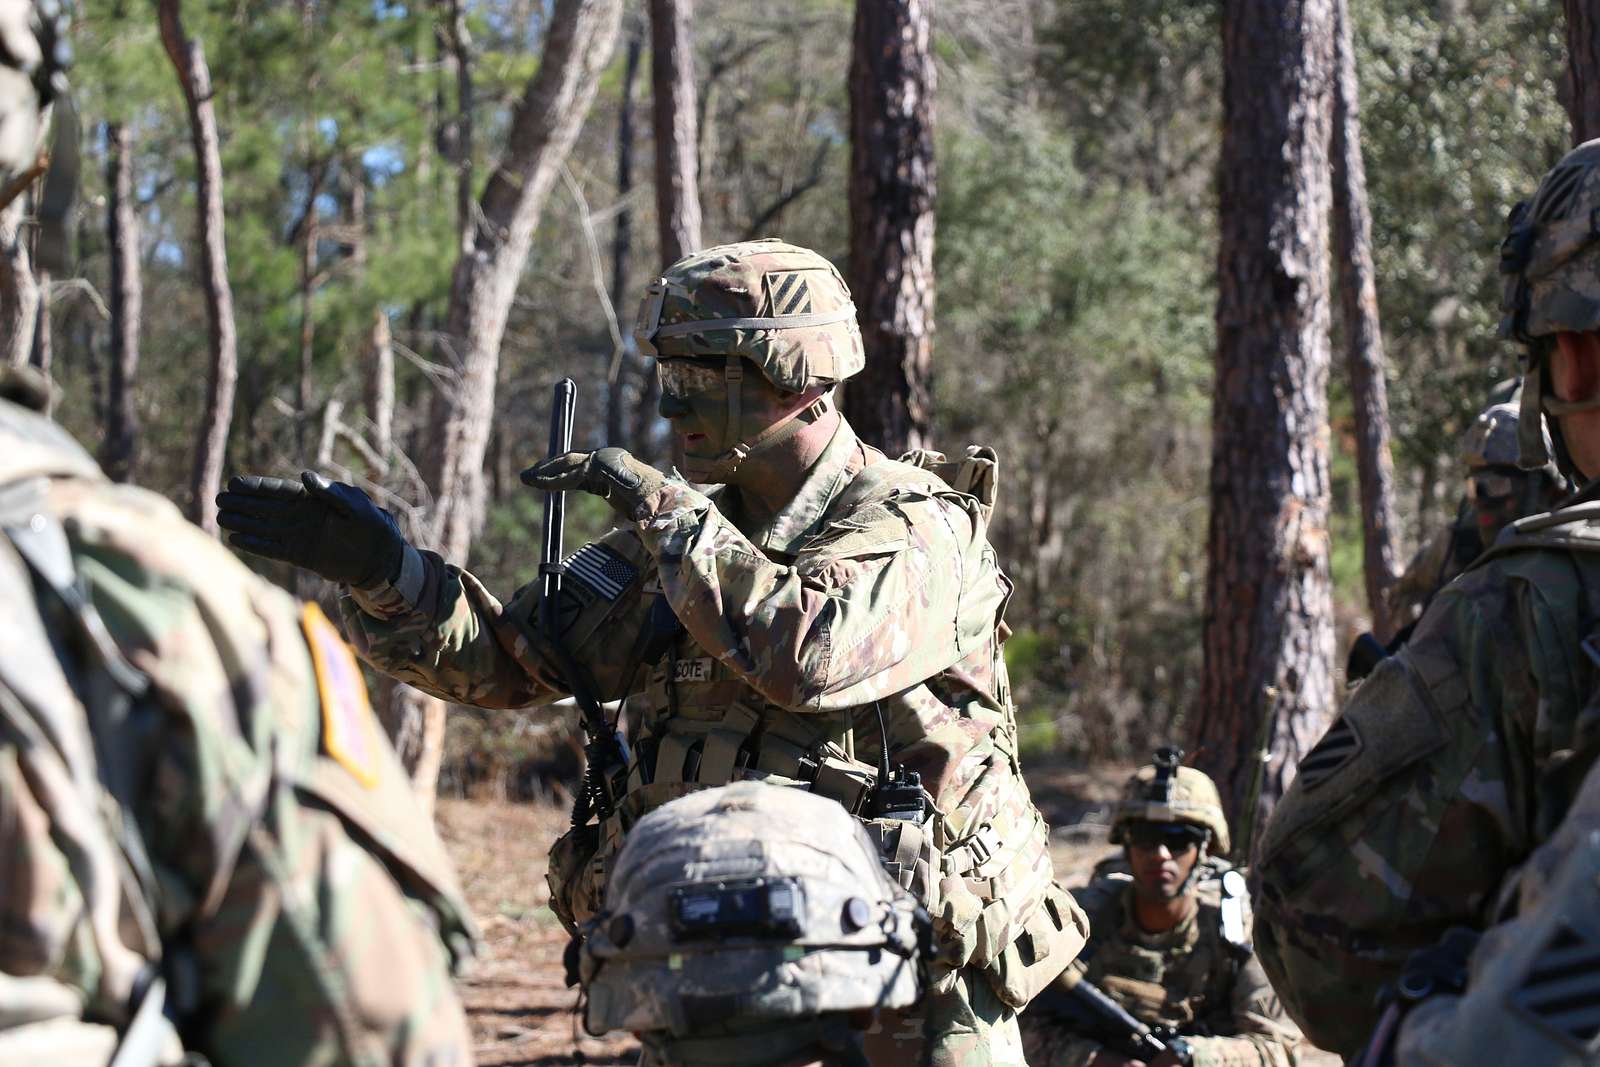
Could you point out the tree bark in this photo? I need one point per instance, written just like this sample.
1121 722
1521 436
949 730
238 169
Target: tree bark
194 76
892 191
19 292
380 386
1268 631
119 453
677 162
1358 296
456 42
1583 68
43 354
622 242
581 36
309 236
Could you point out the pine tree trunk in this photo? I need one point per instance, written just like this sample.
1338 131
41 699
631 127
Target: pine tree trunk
380 386
120 452
892 191
43 354
19 293
189 60
581 36
309 235
677 163
622 293
1358 295
1583 68
1268 632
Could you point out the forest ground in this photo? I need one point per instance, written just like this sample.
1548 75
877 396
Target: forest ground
520 1010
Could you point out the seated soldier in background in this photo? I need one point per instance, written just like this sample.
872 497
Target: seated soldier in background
1169 942
1498 493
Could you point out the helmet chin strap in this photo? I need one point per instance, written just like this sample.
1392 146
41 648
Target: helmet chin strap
725 464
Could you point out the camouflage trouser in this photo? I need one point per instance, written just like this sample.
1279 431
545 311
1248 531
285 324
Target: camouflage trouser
969 1025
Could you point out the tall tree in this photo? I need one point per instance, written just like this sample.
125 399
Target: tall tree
677 164
19 291
194 76
892 189
1268 634
622 237
578 45
1583 68
1363 337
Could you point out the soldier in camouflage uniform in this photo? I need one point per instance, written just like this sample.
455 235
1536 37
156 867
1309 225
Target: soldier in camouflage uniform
748 924
1169 939
755 628
205 842
1451 791
1498 493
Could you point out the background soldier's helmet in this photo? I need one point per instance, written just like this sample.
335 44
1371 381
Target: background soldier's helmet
1493 440
1164 791
1551 262
784 308
747 909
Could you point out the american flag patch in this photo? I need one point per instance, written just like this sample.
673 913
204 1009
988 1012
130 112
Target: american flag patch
601 569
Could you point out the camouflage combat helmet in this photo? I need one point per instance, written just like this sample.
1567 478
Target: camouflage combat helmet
748 909
1164 791
1551 262
1493 440
784 308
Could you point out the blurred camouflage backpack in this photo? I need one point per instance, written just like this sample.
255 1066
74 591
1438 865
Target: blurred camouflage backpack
742 923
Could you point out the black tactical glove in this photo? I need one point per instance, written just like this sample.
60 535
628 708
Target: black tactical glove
610 473
329 528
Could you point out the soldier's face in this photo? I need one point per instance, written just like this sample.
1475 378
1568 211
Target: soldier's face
694 400
1161 856
1575 375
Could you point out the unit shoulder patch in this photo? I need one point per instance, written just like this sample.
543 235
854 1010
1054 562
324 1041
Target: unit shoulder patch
349 729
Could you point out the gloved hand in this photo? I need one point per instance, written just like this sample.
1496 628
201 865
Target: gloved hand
610 473
329 528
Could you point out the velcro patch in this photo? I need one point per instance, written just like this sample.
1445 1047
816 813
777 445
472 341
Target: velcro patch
788 293
349 729
601 570
1562 987
1340 745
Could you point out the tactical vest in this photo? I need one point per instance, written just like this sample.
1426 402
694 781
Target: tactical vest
979 862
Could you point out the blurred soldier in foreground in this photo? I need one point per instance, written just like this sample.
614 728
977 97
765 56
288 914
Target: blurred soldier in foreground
205 843
757 629
1451 792
746 925
1498 493
1169 942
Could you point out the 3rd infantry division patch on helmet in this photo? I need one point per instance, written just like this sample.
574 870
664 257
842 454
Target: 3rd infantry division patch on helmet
736 911
783 307
1167 792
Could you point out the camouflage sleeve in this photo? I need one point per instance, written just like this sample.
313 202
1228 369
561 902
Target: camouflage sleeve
1533 989
1404 817
438 628
1261 1034
877 601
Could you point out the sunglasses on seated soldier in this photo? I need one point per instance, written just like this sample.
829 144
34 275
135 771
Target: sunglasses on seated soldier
1178 837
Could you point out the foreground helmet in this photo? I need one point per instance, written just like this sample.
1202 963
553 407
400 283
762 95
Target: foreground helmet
749 909
1551 262
1167 792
